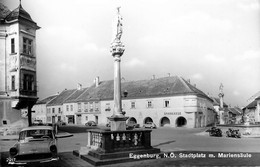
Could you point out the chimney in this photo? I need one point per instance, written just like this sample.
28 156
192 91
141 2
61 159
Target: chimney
169 74
79 86
96 81
188 80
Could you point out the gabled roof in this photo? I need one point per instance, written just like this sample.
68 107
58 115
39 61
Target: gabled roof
167 86
75 95
254 97
59 100
216 102
251 105
236 111
46 100
253 101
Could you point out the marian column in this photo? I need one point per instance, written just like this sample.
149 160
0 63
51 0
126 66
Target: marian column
221 105
117 49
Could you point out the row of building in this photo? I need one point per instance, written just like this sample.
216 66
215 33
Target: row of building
171 101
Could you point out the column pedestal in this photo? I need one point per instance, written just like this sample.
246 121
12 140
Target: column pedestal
117 123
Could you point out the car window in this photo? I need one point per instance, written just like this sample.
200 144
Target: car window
35 134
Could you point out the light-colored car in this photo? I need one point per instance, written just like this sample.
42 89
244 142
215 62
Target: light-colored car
36 144
149 125
37 122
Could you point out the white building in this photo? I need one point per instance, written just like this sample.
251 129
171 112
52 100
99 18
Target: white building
169 100
18 81
252 110
40 109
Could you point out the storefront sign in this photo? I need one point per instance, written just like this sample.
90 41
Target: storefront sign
172 113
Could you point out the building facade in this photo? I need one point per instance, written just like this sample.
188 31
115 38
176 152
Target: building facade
169 101
252 110
39 110
18 81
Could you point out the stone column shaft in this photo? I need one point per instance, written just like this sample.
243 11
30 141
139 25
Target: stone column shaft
117 86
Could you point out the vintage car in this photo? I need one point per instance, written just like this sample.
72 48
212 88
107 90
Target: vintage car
91 123
36 144
149 125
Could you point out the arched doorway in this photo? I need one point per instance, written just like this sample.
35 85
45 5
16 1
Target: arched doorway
165 121
181 121
132 120
148 119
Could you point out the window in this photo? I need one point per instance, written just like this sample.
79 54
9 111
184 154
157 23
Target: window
67 107
107 107
59 110
166 103
132 104
27 46
48 110
53 110
96 106
48 119
71 107
28 82
86 107
91 107
86 118
149 104
13 82
79 107
12 46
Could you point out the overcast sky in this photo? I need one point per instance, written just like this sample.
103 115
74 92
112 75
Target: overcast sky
207 41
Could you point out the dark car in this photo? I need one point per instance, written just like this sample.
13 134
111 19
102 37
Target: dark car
60 123
91 123
132 125
108 124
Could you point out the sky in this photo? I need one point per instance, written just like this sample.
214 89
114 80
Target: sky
207 41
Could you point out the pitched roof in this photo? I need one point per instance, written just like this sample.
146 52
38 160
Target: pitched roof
254 97
18 14
216 101
167 86
251 105
4 11
46 100
236 111
59 100
75 95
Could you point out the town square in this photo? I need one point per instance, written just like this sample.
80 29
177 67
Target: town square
122 83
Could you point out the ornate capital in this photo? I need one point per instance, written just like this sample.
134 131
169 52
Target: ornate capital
221 94
117 48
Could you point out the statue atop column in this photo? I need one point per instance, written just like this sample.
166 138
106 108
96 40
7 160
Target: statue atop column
117 47
119 26
221 88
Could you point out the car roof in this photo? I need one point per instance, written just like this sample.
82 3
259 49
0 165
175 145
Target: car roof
37 128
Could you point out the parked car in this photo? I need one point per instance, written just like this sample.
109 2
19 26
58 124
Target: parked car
108 124
91 123
37 122
132 125
60 123
36 144
149 125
